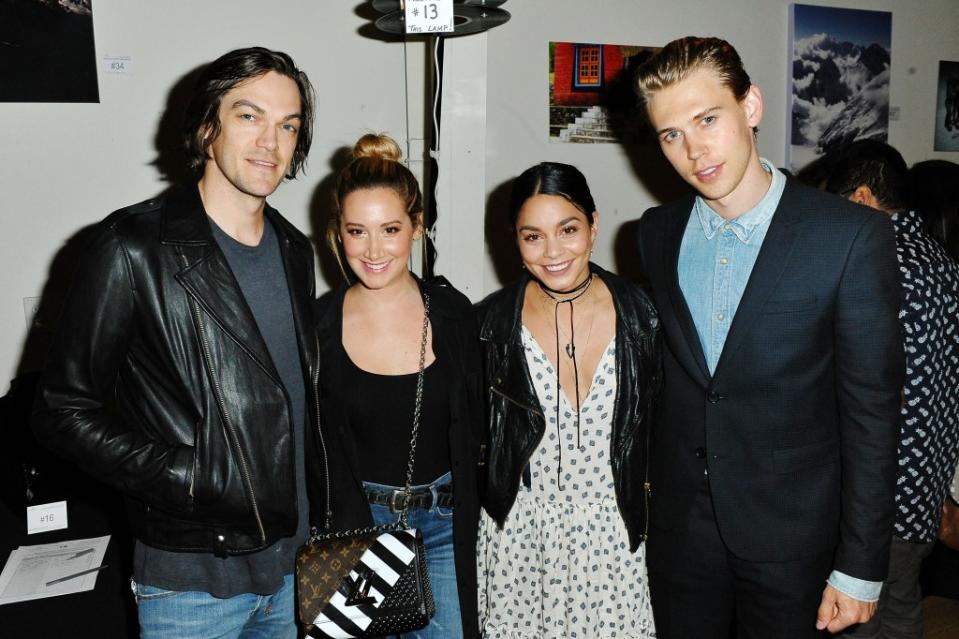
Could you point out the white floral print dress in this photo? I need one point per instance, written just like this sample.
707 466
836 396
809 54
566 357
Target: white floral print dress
561 566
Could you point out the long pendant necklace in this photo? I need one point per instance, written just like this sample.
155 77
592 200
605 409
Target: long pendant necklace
575 293
570 347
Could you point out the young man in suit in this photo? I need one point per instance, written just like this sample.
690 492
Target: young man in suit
772 462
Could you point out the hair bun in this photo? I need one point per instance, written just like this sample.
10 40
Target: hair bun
377 146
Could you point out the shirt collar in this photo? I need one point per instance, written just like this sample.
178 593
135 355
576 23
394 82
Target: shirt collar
744 225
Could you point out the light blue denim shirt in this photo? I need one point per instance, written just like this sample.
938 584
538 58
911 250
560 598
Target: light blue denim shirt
715 261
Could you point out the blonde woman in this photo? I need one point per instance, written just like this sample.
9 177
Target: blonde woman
371 333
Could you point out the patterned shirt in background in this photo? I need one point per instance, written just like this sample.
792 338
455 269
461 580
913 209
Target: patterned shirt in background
929 424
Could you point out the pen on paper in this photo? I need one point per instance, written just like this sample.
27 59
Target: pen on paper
81 553
77 574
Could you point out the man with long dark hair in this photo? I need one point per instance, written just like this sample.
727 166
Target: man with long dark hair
181 372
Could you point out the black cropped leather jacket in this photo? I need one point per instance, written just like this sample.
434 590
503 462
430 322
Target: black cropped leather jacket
160 384
516 423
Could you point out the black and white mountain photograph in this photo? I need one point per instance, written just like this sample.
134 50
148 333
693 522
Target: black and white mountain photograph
47 51
840 79
947 107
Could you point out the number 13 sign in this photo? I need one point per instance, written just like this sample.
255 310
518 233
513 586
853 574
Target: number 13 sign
429 16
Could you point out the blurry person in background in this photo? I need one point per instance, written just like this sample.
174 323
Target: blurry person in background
873 174
934 187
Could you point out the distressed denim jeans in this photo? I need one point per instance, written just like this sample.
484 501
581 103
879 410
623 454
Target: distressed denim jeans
172 614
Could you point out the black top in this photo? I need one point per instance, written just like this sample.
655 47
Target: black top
380 413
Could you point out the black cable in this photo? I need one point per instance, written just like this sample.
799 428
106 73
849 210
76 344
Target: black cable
579 290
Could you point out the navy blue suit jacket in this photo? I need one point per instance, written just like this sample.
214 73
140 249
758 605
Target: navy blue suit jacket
798 425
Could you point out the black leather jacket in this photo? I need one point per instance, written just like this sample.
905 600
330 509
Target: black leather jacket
160 384
516 423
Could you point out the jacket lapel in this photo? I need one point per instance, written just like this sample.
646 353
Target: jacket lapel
770 265
207 278
692 354
512 380
210 282
298 266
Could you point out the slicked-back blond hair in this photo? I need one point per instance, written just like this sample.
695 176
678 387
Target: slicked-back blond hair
678 59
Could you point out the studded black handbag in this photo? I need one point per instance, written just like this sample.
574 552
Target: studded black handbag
365 585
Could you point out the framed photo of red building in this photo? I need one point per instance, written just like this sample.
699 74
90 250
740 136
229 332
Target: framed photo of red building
581 78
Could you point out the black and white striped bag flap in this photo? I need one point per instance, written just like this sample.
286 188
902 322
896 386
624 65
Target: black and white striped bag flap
386 592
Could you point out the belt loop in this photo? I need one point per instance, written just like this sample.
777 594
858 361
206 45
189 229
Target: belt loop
434 492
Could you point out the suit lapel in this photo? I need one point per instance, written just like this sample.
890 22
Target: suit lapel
676 222
770 265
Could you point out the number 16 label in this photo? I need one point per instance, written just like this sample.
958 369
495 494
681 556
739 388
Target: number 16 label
429 16
45 517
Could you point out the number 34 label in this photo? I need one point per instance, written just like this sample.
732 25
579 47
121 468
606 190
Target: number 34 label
429 16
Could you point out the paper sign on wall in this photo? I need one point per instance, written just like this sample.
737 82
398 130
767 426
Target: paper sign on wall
429 16
117 64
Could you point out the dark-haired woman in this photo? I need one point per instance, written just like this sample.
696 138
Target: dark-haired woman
572 369
373 334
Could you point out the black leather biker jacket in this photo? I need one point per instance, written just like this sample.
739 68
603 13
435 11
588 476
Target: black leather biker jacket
160 384
517 424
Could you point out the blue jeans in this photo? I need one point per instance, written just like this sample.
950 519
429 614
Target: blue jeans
436 525
171 614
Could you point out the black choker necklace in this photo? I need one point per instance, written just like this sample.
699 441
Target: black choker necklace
579 288
574 294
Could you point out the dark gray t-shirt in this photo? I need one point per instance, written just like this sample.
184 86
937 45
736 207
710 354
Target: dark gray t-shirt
262 279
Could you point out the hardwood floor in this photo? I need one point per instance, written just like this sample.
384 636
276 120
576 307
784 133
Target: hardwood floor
940 618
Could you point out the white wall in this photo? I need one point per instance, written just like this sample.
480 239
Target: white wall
517 119
64 166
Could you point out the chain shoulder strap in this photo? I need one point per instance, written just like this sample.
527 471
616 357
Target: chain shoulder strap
402 522
417 407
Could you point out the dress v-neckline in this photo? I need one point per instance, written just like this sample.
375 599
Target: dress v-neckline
528 335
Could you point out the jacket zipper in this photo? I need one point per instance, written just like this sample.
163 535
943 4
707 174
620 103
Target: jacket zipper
319 429
520 404
218 395
647 485
535 411
193 470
